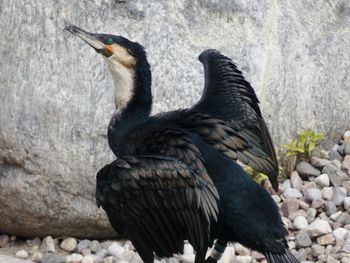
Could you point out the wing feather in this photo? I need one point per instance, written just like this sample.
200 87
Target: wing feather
228 97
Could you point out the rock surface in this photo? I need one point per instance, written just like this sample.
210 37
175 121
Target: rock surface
57 96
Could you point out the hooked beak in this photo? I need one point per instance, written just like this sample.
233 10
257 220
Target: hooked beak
91 39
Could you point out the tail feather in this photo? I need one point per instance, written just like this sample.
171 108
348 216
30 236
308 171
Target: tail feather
286 257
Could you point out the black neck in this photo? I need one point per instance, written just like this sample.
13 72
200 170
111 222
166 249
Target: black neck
136 110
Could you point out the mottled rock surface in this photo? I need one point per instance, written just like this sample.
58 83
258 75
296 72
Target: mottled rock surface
57 96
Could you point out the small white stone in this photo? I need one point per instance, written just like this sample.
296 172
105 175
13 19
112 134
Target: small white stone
188 249
292 193
74 258
313 193
300 222
116 250
100 255
228 256
336 215
346 136
322 180
88 259
243 259
187 258
95 246
111 259
36 257
22 254
276 198
69 244
173 260
295 180
346 203
241 250
339 194
340 233
319 227
48 244
327 193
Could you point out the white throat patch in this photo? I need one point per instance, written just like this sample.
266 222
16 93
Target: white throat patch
123 78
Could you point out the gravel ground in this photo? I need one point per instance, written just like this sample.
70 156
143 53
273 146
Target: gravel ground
314 203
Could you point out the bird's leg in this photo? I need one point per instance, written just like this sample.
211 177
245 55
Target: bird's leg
217 251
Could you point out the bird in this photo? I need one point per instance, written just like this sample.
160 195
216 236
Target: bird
175 176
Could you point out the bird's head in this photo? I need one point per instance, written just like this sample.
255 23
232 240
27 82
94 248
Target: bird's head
122 57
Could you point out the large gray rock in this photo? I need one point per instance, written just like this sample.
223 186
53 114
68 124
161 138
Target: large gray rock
57 96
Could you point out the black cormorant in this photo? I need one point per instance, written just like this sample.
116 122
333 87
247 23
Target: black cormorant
174 178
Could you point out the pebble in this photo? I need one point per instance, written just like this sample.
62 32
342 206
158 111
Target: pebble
243 259
34 242
346 136
110 259
300 212
228 256
319 162
289 206
307 186
327 193
346 185
334 153
322 180
317 250
312 194
336 216
22 254
311 214
319 227
339 194
346 163
295 180
85 251
48 244
302 239
303 205
324 154
4 240
83 244
95 246
276 198
188 249
116 250
52 258
241 250
336 176
88 259
69 244
286 184
100 255
300 222
326 239
317 203
340 233
347 148
346 247
37 257
292 193
306 169
129 255
346 203
330 208
74 258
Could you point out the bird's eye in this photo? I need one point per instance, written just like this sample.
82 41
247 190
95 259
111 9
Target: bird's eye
109 41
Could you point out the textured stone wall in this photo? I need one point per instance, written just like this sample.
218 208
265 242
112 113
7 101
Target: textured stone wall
57 96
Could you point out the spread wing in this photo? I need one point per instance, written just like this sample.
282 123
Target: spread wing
160 199
228 97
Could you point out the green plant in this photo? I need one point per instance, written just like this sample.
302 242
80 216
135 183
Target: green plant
304 145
